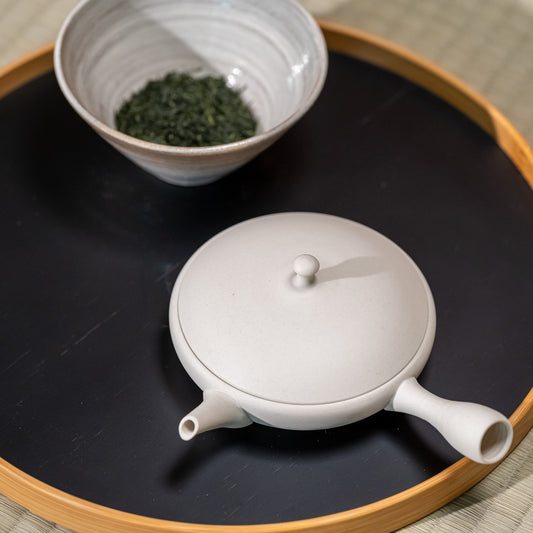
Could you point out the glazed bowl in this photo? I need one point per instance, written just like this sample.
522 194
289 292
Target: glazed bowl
272 52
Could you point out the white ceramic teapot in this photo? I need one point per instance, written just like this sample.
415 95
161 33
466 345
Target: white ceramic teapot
311 321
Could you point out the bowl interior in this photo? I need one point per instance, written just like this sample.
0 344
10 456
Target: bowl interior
272 52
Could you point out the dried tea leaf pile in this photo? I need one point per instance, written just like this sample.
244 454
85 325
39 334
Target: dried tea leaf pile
180 110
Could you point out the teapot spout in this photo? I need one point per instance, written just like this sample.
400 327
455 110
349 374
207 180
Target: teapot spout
217 410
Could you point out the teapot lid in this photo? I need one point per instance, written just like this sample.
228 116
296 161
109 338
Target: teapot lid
303 308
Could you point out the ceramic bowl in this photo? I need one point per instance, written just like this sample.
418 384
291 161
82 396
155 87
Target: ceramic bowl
273 52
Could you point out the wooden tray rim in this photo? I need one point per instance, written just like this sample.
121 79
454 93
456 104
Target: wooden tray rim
385 515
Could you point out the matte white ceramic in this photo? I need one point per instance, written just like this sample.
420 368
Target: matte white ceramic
273 51
310 321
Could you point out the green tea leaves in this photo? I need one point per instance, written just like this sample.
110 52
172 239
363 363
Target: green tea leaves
179 110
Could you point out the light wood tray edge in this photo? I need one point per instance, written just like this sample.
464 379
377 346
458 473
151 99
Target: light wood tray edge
382 516
26 68
396 59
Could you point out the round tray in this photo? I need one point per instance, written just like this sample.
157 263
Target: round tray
91 388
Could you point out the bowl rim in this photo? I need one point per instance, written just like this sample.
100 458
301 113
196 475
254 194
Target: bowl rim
192 151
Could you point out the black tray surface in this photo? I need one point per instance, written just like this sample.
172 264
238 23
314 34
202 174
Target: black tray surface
91 389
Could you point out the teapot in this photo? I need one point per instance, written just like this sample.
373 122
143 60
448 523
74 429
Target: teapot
310 321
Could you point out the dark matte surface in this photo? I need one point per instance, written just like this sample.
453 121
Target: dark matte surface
91 390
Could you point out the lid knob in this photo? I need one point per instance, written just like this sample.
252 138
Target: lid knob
305 267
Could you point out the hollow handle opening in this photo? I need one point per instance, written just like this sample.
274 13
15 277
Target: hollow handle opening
478 432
